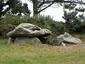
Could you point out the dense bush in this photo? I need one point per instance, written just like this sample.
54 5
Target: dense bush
74 23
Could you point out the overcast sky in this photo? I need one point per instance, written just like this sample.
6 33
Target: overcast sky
55 13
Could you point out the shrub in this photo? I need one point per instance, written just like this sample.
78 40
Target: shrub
8 23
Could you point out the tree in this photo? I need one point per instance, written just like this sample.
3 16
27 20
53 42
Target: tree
74 22
19 9
3 3
40 5
14 6
69 18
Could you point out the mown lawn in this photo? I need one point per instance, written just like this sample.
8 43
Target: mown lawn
41 54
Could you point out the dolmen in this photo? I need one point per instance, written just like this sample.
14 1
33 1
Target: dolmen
26 32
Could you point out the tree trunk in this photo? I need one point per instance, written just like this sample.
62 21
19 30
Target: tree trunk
35 9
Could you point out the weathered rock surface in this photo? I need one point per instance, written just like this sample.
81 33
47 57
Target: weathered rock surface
70 39
29 30
67 38
25 31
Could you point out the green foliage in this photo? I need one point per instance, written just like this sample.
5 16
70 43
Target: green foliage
14 7
19 9
80 9
74 22
70 6
10 3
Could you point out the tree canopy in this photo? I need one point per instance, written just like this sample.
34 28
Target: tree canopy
14 6
38 5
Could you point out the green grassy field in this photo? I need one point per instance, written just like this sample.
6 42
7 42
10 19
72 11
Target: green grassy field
41 54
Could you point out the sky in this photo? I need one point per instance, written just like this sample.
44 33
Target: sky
55 13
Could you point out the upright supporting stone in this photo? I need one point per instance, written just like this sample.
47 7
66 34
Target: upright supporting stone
11 40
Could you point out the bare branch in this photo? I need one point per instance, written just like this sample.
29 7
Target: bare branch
40 4
46 7
60 1
80 2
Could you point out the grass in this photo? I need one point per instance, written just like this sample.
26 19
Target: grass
41 54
